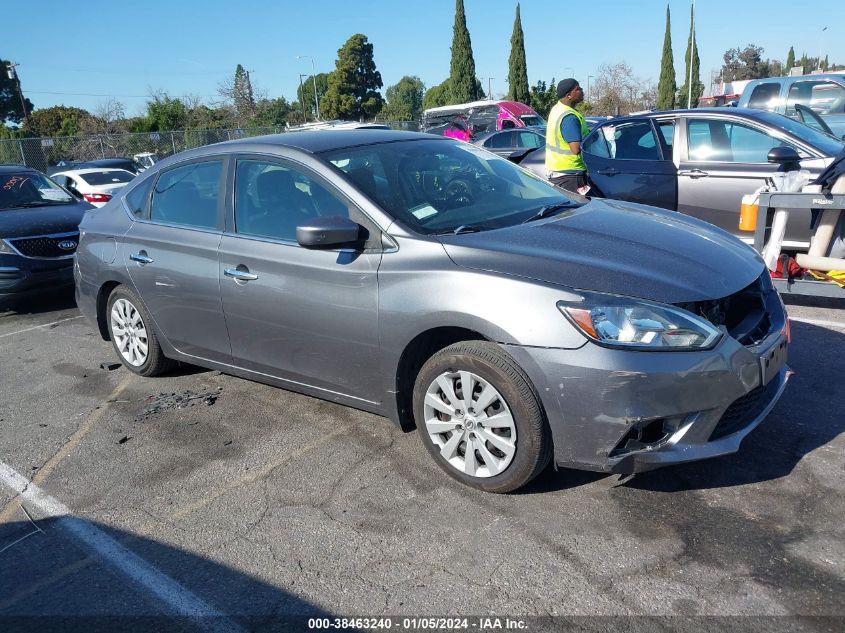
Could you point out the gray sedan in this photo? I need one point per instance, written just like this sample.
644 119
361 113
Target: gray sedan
700 162
426 280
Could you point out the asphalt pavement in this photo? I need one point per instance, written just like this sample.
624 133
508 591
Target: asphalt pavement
203 501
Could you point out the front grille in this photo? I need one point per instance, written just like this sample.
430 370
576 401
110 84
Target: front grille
45 246
743 314
745 409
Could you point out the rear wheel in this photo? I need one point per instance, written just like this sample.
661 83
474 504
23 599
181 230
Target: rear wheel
479 417
132 336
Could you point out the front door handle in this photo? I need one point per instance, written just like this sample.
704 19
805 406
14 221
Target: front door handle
608 172
241 273
141 258
694 173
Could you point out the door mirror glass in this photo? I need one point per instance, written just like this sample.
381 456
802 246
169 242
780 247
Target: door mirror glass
328 232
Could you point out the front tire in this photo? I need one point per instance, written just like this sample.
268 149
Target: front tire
480 418
132 335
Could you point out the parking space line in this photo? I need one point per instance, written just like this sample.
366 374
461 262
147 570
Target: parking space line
838 325
71 443
36 327
178 598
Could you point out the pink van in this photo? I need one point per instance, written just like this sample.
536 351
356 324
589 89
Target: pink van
481 116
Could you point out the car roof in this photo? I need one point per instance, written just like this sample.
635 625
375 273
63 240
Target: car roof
319 141
91 170
749 113
16 169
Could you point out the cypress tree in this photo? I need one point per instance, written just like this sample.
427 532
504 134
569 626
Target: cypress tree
517 67
666 86
693 63
462 87
790 60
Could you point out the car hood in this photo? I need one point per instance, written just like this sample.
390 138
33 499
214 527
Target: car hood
618 248
44 220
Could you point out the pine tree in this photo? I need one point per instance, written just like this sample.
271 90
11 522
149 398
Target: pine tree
666 86
353 85
242 94
517 67
462 82
790 60
691 58
825 64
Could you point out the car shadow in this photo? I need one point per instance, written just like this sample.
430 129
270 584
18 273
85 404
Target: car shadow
39 303
804 419
70 574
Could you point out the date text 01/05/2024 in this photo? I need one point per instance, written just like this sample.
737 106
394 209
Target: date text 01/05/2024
418 623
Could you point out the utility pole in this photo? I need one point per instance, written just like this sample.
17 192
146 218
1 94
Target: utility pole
12 74
821 47
314 81
302 99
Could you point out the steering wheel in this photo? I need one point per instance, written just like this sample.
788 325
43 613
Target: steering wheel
458 193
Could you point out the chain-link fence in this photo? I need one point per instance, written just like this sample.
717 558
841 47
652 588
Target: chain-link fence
41 153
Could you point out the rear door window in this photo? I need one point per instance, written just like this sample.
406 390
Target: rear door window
188 195
632 141
824 97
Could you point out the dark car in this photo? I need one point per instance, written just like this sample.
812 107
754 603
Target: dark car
427 280
700 162
512 143
39 232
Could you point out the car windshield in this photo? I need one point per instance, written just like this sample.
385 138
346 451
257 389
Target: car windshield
28 189
442 186
109 177
824 142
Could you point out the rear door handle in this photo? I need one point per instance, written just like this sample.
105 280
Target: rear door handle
241 273
694 173
608 172
141 258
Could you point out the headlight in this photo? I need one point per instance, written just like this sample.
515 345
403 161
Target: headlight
636 324
5 248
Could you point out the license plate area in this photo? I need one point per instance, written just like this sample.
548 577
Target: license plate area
772 360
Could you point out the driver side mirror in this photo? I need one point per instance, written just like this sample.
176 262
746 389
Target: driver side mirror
783 156
327 232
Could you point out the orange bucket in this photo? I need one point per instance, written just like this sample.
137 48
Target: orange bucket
748 213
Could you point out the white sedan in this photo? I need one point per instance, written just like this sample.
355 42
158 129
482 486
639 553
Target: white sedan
94 185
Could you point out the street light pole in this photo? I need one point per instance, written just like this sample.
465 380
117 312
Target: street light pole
302 99
313 81
13 75
691 51
821 47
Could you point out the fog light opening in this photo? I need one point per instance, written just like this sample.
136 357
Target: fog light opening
644 435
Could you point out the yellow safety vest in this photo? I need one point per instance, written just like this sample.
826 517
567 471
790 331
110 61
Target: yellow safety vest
558 155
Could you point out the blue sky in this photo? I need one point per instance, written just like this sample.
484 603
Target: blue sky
126 49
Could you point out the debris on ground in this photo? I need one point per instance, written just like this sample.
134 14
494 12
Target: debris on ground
109 366
124 439
179 400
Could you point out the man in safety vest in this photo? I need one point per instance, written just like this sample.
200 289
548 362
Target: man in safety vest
565 131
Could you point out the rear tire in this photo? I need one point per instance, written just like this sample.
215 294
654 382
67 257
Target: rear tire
132 335
494 436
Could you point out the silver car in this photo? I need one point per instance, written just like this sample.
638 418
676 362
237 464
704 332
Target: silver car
429 281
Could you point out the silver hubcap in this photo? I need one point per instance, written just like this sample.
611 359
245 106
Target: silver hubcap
469 420
129 333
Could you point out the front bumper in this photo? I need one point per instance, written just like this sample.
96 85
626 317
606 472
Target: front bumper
18 277
627 411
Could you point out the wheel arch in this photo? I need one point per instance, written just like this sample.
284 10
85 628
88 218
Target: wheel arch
103 295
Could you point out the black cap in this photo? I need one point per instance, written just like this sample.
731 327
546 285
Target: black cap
565 86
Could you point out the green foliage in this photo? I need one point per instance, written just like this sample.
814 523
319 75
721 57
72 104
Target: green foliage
543 97
271 112
10 101
166 113
748 63
436 96
56 121
404 100
790 60
685 99
242 94
305 92
353 86
462 81
666 86
517 66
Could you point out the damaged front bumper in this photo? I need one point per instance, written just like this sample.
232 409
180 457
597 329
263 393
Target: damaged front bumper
624 411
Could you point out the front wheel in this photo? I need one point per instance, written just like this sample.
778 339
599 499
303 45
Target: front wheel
479 417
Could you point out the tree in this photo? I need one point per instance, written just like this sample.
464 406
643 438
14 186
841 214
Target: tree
242 94
462 81
543 97
686 97
353 85
272 112
517 66
56 121
790 60
747 63
404 100
666 86
11 108
616 90
305 92
436 96
166 113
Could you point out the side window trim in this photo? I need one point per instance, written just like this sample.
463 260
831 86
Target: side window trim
355 212
221 193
